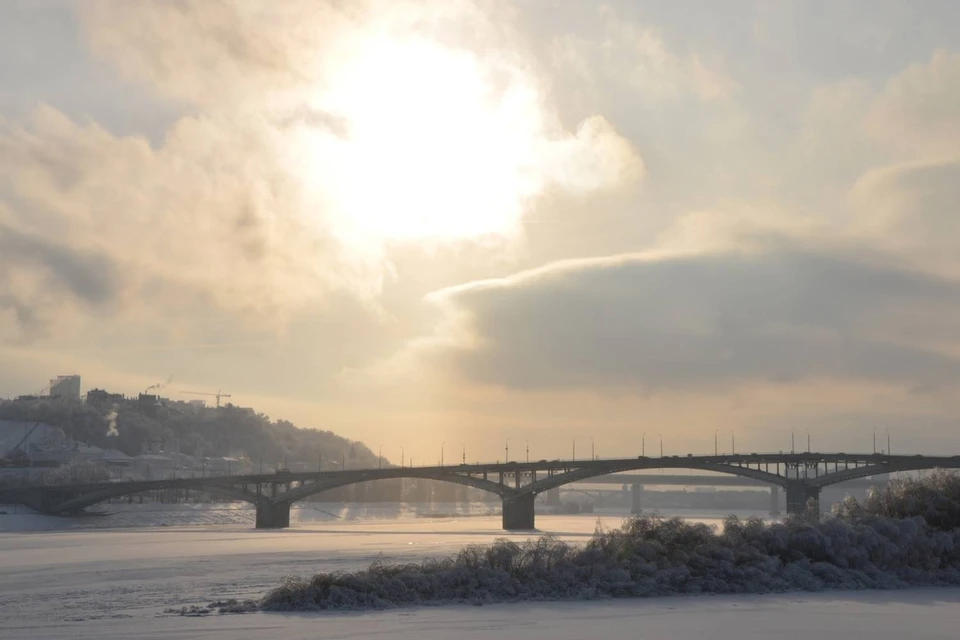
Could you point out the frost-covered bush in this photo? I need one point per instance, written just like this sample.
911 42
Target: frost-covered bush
907 534
935 498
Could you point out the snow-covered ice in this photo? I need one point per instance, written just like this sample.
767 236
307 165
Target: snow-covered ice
115 583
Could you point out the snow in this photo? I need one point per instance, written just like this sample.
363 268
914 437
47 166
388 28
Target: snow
92 582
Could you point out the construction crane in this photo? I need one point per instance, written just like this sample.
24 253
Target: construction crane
218 395
17 456
26 436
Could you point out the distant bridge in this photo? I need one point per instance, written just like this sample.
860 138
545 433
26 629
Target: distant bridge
690 480
801 475
638 482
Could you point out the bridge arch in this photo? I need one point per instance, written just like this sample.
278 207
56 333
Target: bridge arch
836 477
89 499
306 490
582 473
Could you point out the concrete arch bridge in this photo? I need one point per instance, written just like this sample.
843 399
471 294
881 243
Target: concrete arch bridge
800 475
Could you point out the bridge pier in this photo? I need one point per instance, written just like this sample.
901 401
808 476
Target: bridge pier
797 495
518 512
774 500
273 515
636 498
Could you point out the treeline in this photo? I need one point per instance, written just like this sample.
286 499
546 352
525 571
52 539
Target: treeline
907 534
226 431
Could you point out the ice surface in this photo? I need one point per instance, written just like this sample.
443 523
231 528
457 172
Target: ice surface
115 584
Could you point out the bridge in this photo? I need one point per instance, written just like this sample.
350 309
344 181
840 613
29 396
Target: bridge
801 475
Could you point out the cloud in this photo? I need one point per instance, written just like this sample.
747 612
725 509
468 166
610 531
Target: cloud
313 136
210 213
918 110
912 209
37 274
212 52
787 314
635 56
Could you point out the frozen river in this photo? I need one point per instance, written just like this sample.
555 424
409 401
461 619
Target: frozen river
93 582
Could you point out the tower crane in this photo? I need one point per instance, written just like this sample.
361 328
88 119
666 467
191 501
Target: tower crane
219 394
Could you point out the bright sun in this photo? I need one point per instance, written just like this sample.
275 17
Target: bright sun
436 144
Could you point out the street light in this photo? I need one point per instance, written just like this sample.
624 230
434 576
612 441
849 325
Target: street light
733 443
402 461
888 441
661 445
643 445
808 441
715 448
506 451
574 448
441 452
528 449
463 453
793 448
593 453
380 458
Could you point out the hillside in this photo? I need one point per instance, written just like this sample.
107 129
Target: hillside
177 426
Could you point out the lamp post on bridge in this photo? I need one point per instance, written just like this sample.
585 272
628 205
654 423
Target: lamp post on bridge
643 445
574 448
733 443
528 449
716 450
401 457
506 451
593 451
441 452
888 442
808 441
463 453
380 458
661 445
874 442
793 448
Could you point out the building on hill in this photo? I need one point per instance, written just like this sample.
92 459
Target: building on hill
66 387
101 398
148 404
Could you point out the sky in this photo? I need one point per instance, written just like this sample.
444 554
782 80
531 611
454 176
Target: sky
440 225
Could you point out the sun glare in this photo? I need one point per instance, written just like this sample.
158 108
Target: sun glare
437 144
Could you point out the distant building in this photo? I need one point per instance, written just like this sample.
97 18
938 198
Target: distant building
148 404
101 398
66 387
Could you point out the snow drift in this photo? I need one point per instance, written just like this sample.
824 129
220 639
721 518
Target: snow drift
905 535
